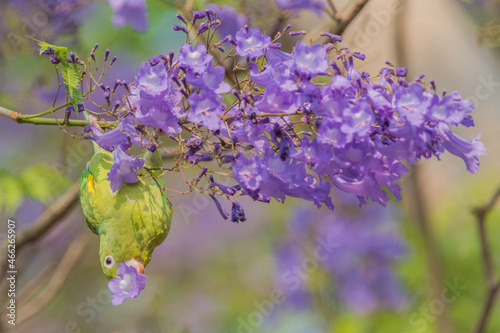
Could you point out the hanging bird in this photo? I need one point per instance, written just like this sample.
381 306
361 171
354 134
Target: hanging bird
130 222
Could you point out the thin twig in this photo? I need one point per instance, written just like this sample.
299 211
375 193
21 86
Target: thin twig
486 310
481 213
333 9
493 286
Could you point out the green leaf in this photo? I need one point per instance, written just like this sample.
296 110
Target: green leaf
72 81
61 52
12 192
70 73
43 183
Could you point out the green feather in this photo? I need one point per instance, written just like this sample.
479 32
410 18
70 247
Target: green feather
131 222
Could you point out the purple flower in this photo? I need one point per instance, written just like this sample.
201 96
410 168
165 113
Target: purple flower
356 249
221 209
465 149
245 131
237 213
450 109
156 99
109 140
330 133
134 135
277 100
273 176
289 177
401 71
314 5
231 190
177 27
194 59
211 78
288 256
357 120
276 74
317 154
360 129
198 157
251 43
250 173
124 169
128 283
231 21
411 103
361 185
205 110
309 60
333 37
198 15
153 61
133 12
65 16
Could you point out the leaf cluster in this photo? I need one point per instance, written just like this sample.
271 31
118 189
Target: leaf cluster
39 182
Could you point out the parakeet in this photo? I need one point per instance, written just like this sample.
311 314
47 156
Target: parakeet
130 222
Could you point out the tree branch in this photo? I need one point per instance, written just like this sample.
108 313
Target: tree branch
487 306
333 9
63 269
347 16
493 286
21 118
417 199
54 213
49 218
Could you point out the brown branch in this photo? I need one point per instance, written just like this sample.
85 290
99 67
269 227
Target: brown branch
333 9
63 269
21 118
424 227
487 306
481 213
8 113
347 16
33 286
49 218
417 198
493 286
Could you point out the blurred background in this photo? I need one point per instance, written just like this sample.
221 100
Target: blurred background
414 266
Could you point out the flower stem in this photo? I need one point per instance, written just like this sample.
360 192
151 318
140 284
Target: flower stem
51 110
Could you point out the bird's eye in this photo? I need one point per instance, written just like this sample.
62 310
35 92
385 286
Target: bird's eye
109 262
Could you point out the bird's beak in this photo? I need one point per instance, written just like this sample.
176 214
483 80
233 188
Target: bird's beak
137 265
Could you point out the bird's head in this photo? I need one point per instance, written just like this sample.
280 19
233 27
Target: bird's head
112 252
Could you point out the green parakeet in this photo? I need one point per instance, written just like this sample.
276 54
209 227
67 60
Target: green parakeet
130 222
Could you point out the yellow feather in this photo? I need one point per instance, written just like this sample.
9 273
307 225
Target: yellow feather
90 183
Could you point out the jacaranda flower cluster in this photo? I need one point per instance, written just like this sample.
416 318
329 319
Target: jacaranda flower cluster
282 123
